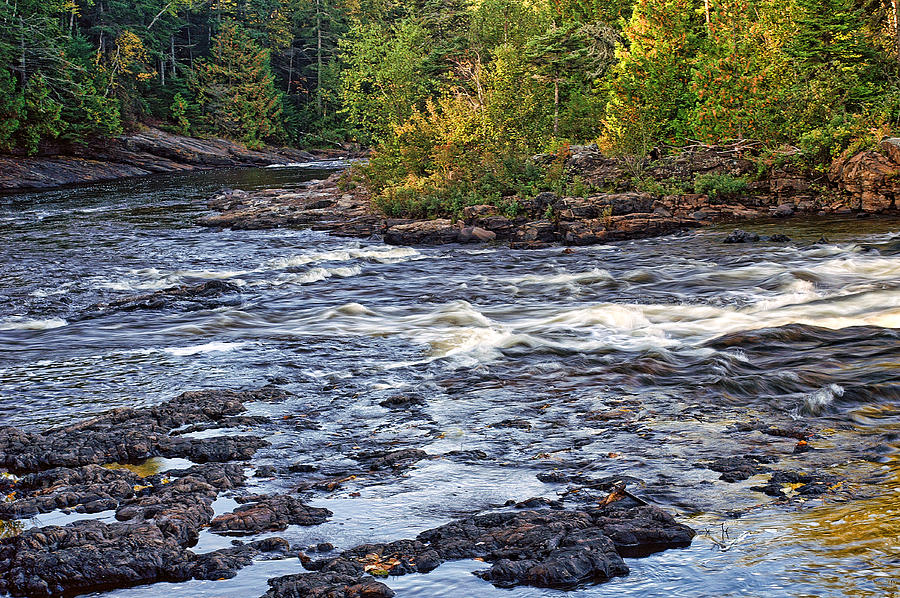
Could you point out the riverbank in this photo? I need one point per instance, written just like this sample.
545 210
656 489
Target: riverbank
150 151
447 395
672 190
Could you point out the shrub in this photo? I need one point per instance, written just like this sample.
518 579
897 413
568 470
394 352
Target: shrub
716 184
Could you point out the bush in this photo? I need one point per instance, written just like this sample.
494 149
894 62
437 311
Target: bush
716 184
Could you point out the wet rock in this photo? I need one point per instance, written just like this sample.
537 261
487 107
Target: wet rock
377 460
178 509
404 401
804 484
225 563
546 548
92 487
553 477
201 295
88 556
737 468
519 424
133 435
268 513
327 585
535 502
265 471
741 236
785 210
779 238
467 455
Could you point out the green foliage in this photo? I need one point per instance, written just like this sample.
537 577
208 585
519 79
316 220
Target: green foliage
660 188
11 110
384 78
236 88
455 94
719 184
179 114
650 93
842 134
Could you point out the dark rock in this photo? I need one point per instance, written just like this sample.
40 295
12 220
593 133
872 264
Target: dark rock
520 424
225 563
470 455
327 585
200 294
89 556
64 487
735 469
303 468
741 236
779 238
399 459
812 484
404 401
133 435
268 513
265 471
553 477
547 548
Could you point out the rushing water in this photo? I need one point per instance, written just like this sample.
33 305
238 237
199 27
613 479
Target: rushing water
602 360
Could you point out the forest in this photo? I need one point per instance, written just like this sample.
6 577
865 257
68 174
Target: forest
453 96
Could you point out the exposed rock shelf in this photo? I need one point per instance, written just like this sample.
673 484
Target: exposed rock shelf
866 183
148 152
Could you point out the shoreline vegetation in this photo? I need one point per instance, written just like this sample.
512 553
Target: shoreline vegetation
455 98
593 199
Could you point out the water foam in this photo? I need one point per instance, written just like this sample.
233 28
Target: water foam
19 323
212 347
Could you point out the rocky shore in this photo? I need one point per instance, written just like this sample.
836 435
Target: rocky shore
82 468
659 196
151 151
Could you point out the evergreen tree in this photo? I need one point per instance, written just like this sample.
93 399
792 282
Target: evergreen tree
650 94
236 88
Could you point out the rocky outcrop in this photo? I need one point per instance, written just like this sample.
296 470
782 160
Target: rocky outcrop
870 179
543 548
158 517
147 152
656 196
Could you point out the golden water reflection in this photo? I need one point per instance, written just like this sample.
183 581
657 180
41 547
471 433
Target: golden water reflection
853 547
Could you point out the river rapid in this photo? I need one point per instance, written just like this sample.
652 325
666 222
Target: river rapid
633 359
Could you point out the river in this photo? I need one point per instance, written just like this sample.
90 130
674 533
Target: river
603 359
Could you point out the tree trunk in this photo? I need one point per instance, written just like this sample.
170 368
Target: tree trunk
318 57
287 88
706 8
172 53
162 70
22 56
895 5
555 107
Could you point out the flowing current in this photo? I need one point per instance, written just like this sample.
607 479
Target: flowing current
626 359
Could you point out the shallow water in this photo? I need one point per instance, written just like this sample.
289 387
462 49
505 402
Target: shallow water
626 359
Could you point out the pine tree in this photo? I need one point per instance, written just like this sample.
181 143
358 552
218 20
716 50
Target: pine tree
650 94
236 88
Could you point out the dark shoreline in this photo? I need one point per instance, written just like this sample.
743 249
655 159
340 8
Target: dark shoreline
142 154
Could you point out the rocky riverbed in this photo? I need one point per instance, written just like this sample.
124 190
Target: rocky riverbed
195 411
